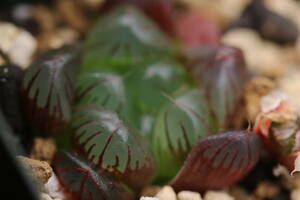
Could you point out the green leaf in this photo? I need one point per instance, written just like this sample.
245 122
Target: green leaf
124 38
105 90
177 128
148 85
109 143
48 88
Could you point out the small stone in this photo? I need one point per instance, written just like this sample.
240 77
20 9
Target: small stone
43 149
267 189
188 195
266 60
18 44
166 193
149 198
71 12
92 4
53 188
255 89
44 196
295 194
40 170
217 195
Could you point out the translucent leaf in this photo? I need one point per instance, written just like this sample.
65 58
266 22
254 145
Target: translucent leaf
147 87
105 90
48 88
82 181
178 126
123 38
107 142
222 75
218 161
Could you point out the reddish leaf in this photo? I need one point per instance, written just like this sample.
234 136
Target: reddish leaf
221 72
218 160
160 11
194 29
81 181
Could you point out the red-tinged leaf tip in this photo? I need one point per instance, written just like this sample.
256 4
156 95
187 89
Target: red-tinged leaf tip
47 89
160 11
194 29
221 72
218 160
82 181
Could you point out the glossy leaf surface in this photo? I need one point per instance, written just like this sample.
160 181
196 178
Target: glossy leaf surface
107 142
222 75
218 160
101 89
122 39
105 90
160 11
148 86
82 181
48 88
178 127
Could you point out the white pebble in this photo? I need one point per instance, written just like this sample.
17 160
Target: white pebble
217 195
148 198
188 195
18 44
166 193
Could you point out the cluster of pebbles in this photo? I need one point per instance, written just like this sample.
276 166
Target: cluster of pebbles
32 29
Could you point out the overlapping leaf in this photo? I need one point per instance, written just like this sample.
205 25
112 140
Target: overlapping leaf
222 77
102 89
218 160
123 38
105 90
147 87
178 127
107 142
47 89
82 181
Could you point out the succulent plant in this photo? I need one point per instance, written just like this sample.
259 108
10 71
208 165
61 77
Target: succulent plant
177 128
278 127
218 160
48 89
222 74
123 39
82 181
108 143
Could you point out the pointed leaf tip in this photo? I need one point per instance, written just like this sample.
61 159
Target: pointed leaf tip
47 89
218 160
